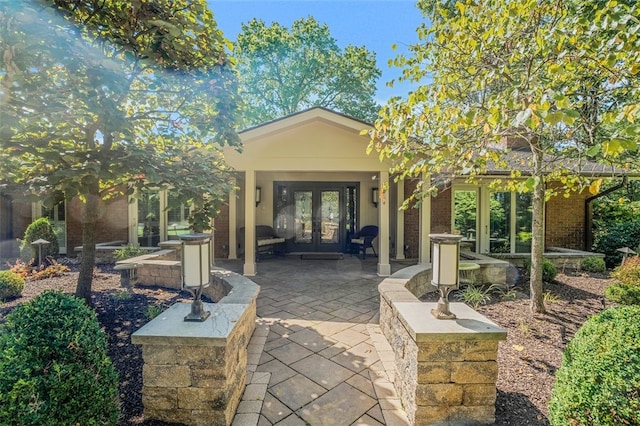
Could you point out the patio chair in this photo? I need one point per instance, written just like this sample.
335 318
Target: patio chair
363 239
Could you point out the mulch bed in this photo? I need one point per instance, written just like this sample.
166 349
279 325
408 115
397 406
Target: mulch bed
527 360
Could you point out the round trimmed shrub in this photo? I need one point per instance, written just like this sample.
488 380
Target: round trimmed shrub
593 264
549 270
54 367
11 284
598 382
39 228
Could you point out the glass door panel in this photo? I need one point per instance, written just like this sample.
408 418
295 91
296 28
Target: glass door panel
149 218
465 217
330 217
500 222
524 222
313 216
303 209
56 216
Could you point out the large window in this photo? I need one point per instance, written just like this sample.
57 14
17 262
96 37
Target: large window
466 217
510 222
158 218
493 222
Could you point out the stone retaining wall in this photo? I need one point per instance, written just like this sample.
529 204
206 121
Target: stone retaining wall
194 372
445 369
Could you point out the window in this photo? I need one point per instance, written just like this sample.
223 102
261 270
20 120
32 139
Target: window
511 222
493 222
157 217
466 217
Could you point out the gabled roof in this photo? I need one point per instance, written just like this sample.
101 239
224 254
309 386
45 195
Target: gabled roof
297 118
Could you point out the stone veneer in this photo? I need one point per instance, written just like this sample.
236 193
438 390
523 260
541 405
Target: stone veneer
194 372
446 370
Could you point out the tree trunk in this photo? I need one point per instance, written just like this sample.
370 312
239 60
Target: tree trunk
90 218
537 240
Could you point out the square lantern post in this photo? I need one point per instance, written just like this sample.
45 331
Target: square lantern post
446 255
196 271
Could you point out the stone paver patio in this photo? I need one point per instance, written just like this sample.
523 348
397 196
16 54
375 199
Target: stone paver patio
317 356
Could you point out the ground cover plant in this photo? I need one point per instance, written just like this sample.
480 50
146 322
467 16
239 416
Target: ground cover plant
528 359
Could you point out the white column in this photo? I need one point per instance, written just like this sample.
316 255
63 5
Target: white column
233 225
400 220
384 267
425 225
250 223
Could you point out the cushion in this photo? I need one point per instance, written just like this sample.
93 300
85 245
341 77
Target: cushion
357 241
268 241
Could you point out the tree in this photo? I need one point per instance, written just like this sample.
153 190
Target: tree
284 71
102 98
559 77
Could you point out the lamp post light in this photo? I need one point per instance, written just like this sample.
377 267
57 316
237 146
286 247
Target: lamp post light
196 271
40 242
446 255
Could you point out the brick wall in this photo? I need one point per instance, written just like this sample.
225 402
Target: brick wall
564 221
113 218
440 218
441 212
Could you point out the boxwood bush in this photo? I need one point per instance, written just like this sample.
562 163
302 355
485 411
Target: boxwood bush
598 382
11 284
54 368
549 270
39 228
593 264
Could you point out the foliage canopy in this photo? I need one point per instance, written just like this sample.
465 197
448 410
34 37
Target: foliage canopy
558 80
100 98
286 70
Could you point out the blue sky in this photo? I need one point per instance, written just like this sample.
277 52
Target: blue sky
376 24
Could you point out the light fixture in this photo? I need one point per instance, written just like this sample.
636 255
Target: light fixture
196 271
258 195
446 255
375 196
39 243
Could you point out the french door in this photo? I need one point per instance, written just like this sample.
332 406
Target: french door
315 216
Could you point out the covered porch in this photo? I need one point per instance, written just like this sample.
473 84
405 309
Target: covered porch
308 176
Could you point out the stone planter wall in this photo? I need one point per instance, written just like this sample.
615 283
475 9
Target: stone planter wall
446 370
194 372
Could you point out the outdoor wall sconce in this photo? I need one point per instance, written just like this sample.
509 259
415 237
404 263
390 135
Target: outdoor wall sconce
375 196
446 255
196 271
258 195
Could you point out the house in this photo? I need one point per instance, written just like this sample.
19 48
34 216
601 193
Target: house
307 175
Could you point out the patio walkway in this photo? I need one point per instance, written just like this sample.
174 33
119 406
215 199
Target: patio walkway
317 356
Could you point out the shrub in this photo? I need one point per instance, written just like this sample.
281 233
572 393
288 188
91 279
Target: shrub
129 251
11 284
626 290
609 240
593 264
628 272
549 270
475 296
623 294
39 228
598 382
54 367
